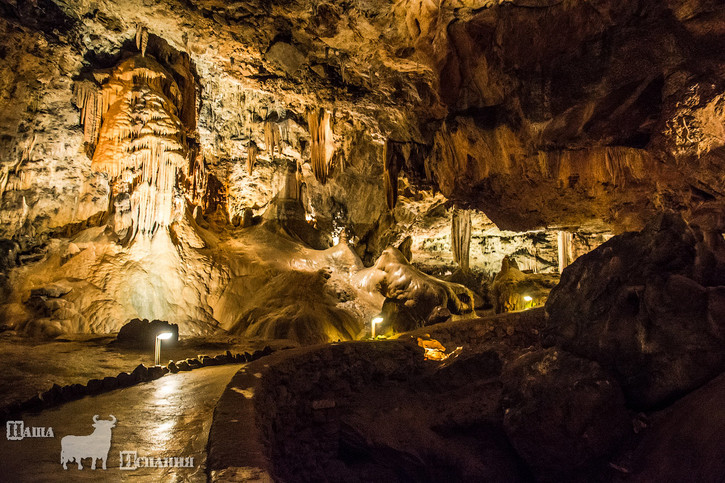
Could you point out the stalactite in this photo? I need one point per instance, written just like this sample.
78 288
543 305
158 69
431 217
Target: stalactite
565 249
25 155
86 97
321 143
272 138
252 152
142 39
461 237
391 169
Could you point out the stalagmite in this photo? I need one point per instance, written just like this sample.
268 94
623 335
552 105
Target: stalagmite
461 237
564 242
291 189
321 145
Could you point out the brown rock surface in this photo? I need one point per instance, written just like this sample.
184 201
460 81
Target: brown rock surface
685 441
561 412
648 306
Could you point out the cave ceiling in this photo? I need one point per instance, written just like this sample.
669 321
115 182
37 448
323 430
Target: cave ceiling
539 113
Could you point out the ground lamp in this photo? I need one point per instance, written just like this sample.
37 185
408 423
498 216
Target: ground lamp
376 320
157 350
528 299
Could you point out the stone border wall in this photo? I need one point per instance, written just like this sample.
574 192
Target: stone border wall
519 328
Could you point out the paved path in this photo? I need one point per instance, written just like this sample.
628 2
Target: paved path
169 417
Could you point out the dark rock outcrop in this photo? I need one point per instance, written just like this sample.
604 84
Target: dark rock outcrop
649 306
142 333
685 442
562 412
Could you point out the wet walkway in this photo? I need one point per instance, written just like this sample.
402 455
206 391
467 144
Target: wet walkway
168 417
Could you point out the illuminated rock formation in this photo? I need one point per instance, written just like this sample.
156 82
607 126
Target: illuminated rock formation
141 144
514 290
410 298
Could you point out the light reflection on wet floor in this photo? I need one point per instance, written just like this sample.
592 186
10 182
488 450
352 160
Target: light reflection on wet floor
169 417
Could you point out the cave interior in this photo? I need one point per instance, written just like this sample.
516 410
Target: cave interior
466 240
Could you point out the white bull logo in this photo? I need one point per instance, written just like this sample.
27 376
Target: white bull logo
94 446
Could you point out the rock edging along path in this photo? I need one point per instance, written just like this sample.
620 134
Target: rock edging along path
57 394
235 449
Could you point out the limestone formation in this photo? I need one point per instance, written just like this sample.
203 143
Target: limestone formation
514 290
562 413
461 238
321 143
141 142
244 170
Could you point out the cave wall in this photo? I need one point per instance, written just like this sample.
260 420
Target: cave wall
52 184
538 113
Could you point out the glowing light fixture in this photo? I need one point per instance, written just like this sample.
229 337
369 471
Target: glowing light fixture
157 351
376 321
528 298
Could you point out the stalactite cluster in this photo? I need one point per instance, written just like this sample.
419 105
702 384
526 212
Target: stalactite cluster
322 144
461 237
141 143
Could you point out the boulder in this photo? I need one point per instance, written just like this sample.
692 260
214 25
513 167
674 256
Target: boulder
155 372
650 306
562 412
124 379
142 333
53 395
94 386
109 383
140 374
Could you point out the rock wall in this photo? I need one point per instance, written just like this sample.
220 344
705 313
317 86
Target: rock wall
381 411
46 179
647 305
522 109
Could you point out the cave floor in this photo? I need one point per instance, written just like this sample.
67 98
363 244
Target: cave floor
31 366
168 417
